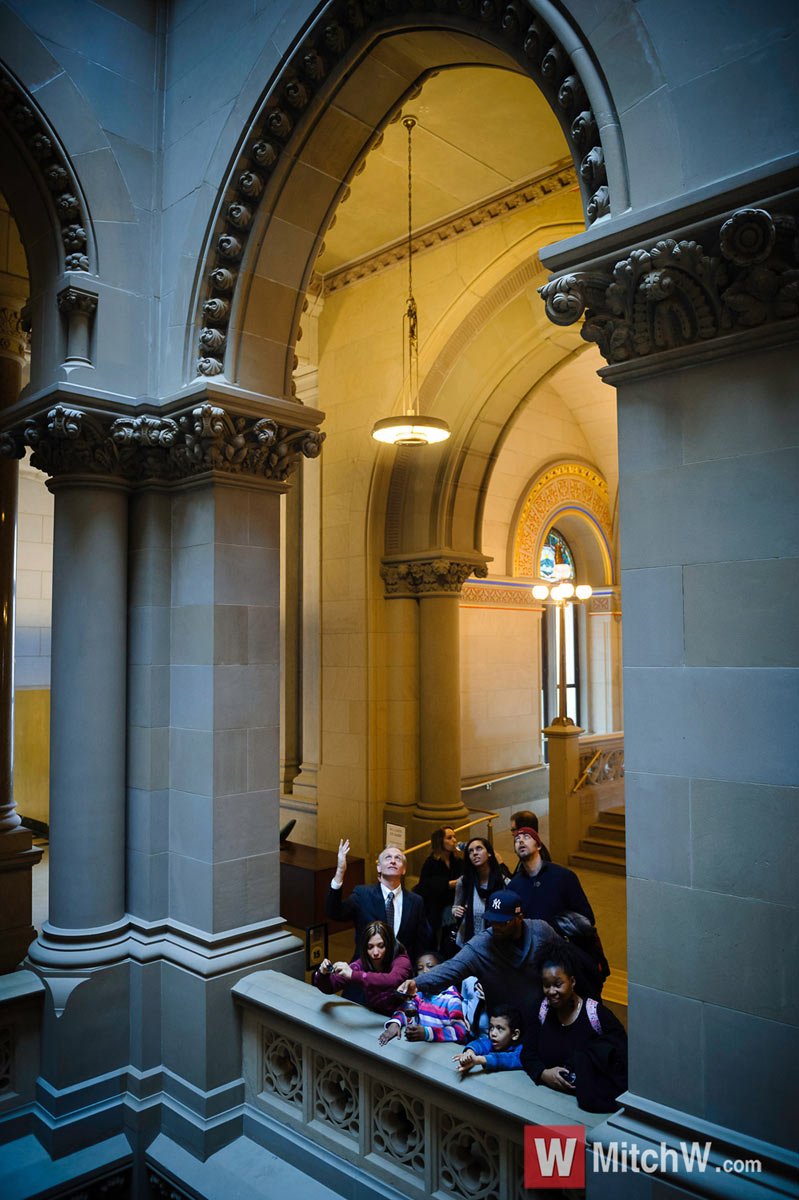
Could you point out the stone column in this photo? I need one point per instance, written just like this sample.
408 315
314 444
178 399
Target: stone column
87 924
206 549
564 805
700 333
439 710
17 857
402 710
309 489
604 658
435 582
290 649
306 782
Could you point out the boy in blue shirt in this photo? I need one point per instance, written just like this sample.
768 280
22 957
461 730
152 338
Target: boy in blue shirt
501 1050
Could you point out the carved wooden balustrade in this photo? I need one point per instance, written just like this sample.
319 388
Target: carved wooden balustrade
389 1122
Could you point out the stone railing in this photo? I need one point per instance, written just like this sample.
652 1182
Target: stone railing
602 759
600 782
389 1122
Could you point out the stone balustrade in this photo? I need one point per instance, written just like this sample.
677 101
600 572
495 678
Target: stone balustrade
609 766
382 1122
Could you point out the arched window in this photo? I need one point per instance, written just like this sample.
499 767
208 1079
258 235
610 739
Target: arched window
556 549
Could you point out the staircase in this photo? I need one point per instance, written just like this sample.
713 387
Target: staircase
603 848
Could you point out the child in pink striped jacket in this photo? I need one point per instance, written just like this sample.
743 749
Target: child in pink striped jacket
441 1017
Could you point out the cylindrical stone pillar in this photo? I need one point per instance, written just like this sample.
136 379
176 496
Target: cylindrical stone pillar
402 708
439 709
87 723
17 856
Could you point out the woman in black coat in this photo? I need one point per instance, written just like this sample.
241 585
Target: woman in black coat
577 1045
482 875
437 879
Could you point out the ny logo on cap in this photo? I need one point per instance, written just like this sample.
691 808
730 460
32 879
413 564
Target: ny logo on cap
497 903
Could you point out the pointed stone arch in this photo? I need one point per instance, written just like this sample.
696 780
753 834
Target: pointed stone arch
320 116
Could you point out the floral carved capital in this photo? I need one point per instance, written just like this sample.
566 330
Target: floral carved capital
742 274
13 338
428 576
68 441
76 300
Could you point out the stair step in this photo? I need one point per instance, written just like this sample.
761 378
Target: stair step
614 816
613 833
598 862
603 846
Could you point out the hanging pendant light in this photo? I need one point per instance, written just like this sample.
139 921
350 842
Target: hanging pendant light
410 428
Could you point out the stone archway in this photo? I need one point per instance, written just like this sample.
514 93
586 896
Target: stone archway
320 117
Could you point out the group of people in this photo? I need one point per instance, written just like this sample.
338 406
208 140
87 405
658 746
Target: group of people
508 965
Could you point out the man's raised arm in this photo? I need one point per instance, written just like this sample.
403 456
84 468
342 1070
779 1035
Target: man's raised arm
336 907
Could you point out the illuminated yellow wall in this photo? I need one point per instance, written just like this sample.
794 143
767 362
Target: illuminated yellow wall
32 753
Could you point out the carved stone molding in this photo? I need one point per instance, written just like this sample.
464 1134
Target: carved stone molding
531 192
28 125
743 273
334 35
69 441
77 300
13 339
437 574
565 485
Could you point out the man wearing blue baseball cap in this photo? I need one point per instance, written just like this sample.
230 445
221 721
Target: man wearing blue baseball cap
502 958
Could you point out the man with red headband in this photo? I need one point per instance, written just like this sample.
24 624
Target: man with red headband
546 888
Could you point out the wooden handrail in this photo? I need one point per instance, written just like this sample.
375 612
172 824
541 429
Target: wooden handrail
584 775
488 813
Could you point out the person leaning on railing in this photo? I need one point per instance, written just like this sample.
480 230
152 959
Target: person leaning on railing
381 967
502 957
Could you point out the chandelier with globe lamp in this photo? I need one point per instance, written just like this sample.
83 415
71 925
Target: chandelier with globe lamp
410 427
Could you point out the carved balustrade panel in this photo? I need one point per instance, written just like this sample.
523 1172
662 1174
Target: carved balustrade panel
470 1161
281 1068
316 1078
336 1095
398 1127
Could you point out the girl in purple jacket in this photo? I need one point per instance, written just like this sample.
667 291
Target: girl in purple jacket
380 968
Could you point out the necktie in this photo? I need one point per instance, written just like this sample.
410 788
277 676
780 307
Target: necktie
390 911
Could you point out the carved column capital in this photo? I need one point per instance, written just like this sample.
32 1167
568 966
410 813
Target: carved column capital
732 275
13 338
435 574
74 299
69 441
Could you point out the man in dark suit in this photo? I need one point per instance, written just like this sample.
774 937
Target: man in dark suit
384 901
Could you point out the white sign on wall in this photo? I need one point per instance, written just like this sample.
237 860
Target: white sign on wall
395 836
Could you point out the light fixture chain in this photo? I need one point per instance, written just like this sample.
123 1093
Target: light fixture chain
409 124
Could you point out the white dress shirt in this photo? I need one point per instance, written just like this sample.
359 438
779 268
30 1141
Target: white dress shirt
397 904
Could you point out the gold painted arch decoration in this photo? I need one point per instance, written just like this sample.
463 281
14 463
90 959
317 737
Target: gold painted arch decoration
569 488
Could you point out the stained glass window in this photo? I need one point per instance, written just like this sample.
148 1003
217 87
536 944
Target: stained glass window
555 549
